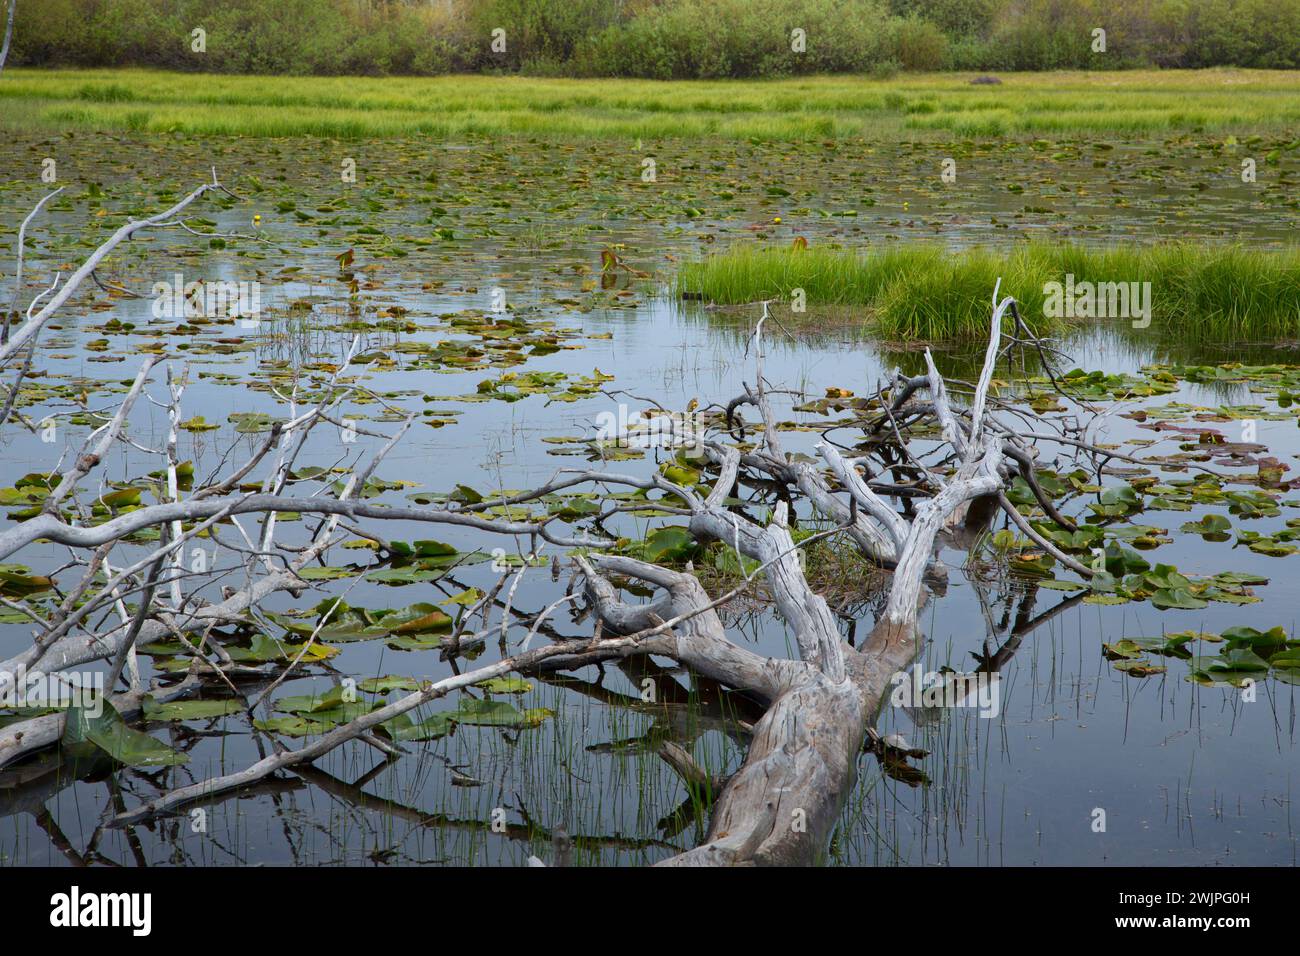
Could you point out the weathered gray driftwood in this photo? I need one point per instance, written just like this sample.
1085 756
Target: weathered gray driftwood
780 805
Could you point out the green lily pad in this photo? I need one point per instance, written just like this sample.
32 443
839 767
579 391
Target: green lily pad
505 685
190 709
109 732
1177 599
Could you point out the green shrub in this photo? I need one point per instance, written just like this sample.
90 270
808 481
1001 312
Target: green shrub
956 18
919 45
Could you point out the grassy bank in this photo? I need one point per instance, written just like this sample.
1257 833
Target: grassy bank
925 106
1204 293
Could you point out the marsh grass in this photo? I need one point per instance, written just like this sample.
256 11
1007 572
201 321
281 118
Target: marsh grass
1198 292
915 106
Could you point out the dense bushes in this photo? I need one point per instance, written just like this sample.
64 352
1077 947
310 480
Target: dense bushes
244 36
720 38
656 38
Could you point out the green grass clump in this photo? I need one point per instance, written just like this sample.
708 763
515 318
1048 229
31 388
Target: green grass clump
913 291
927 292
828 276
953 299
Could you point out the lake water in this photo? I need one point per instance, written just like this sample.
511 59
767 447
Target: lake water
1186 774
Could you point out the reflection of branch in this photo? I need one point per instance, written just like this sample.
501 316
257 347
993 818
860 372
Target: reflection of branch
992 663
45 820
528 831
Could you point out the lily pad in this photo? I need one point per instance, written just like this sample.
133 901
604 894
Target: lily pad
107 731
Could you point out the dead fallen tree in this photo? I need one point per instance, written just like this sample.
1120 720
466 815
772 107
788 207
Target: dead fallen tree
781 804
778 807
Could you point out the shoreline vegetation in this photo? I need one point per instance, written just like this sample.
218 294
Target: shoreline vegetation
913 107
927 292
661 39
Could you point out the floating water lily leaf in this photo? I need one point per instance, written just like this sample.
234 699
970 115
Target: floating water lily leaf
107 730
1227 597
1241 636
190 709
479 713
399 576
669 544
348 629
1176 599
198 424
19 584
465 495
1117 501
319 573
402 728
1121 560
1139 668
1252 504
505 685
1125 649
250 423
571 509
413 642
328 709
1212 527
262 649
1170 645
416 619
1288 659
496 713
1239 659
466 598
1269 546
311 703
121 498
382 685
433 549
1084 539
1055 584
1166 576
22 496
1102 582
295 726
1227 578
